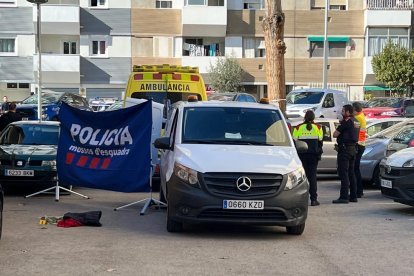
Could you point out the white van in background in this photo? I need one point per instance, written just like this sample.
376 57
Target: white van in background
326 103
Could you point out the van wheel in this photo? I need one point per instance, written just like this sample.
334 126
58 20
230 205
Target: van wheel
376 177
322 116
295 230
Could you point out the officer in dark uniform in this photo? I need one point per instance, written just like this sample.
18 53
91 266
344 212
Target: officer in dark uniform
347 138
312 135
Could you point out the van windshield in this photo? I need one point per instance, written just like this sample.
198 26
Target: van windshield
161 97
234 125
304 97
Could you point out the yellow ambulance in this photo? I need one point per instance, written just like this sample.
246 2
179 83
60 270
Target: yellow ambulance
165 83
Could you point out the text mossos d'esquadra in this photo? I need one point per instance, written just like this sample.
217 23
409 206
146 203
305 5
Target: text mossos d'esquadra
92 139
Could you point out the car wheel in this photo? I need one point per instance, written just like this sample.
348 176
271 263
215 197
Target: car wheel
376 177
295 230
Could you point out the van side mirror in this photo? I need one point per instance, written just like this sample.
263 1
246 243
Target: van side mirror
162 143
301 147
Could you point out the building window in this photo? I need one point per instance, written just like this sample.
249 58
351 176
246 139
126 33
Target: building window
23 85
98 48
253 4
379 37
12 85
320 5
98 3
163 4
204 3
253 47
7 3
336 49
7 46
69 48
208 47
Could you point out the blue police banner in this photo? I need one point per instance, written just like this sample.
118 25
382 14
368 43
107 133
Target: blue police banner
105 150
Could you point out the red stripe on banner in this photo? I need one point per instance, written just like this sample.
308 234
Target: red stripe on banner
82 161
69 158
106 163
94 163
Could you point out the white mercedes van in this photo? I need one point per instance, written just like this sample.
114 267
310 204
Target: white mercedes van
231 162
326 103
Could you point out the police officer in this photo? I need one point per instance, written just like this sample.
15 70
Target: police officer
360 117
312 135
347 137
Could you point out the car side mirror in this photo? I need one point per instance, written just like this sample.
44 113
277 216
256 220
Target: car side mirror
163 143
301 147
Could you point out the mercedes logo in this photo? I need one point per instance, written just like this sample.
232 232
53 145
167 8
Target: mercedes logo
244 183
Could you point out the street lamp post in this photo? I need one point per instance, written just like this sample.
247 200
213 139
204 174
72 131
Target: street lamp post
39 64
325 48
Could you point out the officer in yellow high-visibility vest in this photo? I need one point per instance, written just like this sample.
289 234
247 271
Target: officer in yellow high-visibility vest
360 117
312 135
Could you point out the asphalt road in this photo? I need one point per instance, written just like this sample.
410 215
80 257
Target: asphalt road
372 237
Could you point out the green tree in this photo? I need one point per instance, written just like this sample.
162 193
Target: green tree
394 67
225 75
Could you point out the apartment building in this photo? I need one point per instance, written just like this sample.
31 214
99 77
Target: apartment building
85 45
89 46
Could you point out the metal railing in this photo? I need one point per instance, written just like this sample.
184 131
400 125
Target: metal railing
389 4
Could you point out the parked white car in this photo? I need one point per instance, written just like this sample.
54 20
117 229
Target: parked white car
325 103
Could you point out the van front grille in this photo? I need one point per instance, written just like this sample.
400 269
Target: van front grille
225 184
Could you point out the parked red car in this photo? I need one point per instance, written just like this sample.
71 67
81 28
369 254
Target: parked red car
387 107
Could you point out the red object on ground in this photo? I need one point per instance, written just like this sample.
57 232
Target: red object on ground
68 223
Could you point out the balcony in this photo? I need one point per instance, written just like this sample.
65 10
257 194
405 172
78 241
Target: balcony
204 20
58 19
58 69
389 4
203 63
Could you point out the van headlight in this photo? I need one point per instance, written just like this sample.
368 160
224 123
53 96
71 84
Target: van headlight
309 109
51 163
295 178
409 164
186 174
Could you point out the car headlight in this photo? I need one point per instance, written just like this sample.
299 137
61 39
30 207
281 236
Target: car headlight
389 113
49 163
367 150
409 164
186 174
311 109
295 178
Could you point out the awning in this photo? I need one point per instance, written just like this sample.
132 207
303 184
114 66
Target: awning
375 88
330 38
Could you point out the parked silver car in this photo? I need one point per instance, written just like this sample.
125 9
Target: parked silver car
328 162
375 151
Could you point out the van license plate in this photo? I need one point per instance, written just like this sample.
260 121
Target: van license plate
386 183
243 204
19 173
